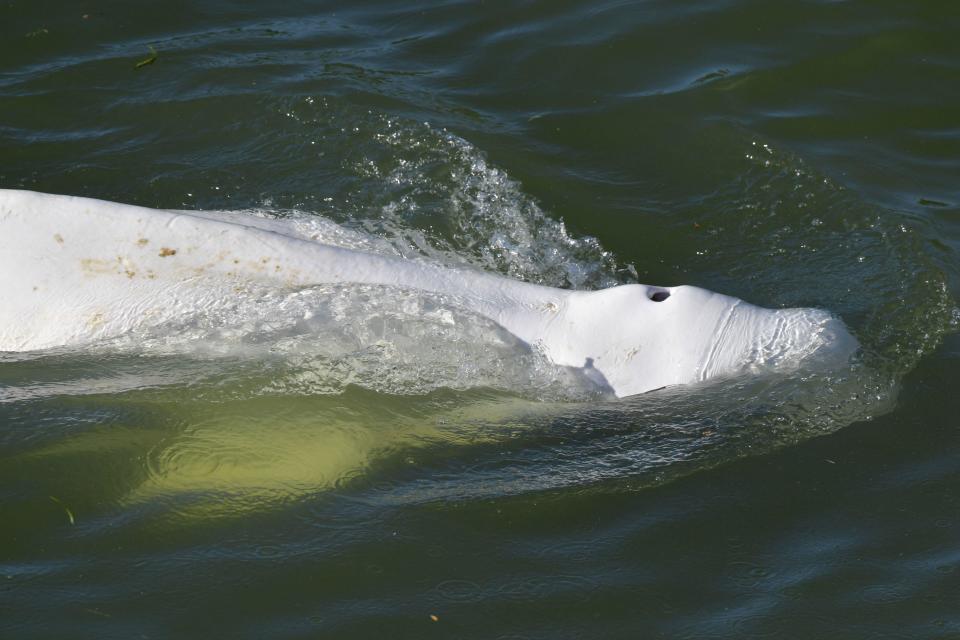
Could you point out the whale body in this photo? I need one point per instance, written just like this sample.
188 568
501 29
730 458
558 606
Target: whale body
77 270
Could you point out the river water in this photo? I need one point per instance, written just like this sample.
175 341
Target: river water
399 468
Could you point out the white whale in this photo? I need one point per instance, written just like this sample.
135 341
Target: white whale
76 270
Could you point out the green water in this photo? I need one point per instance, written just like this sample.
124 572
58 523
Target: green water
405 475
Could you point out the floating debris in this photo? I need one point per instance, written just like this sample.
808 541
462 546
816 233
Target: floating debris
65 508
149 60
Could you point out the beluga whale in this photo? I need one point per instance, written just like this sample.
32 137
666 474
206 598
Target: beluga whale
74 271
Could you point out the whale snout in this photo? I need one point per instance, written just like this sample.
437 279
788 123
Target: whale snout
755 338
642 337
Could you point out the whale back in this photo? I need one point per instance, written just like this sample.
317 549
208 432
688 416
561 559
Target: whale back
75 270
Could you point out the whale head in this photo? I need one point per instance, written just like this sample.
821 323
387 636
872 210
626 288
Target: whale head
641 338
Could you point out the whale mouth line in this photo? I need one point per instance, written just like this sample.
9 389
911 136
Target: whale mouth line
721 332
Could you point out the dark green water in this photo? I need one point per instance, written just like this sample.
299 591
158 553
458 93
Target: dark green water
792 154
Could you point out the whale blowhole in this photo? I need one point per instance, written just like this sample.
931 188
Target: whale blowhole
659 296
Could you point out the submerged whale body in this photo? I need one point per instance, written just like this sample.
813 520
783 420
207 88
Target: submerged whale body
77 270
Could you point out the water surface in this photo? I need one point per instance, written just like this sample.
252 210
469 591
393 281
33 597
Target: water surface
397 467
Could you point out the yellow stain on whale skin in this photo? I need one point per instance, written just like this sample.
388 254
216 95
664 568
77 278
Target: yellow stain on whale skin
167 252
96 266
121 265
95 320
